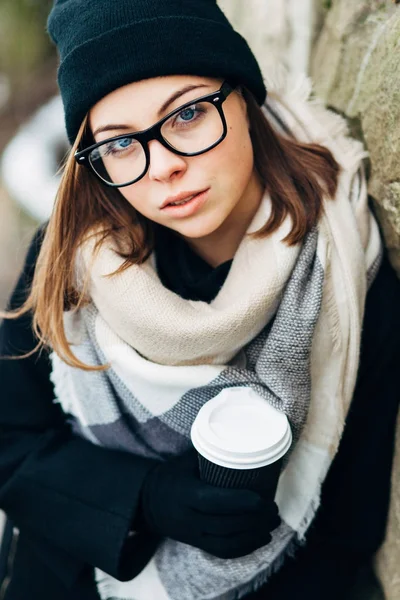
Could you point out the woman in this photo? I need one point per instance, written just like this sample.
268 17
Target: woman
196 244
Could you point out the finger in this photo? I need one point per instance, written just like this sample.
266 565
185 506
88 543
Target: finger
232 525
212 500
188 461
270 515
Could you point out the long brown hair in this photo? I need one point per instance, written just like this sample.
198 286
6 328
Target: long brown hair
296 175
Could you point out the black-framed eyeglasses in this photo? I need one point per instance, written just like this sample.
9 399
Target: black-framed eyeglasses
192 129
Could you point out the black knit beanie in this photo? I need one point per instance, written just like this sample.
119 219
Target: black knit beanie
105 44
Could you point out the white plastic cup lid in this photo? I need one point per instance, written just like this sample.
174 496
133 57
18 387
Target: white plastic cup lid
239 429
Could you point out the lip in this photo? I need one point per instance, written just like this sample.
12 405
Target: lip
180 197
185 210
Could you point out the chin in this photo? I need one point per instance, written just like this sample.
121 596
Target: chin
199 228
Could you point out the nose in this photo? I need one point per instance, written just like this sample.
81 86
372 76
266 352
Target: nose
164 164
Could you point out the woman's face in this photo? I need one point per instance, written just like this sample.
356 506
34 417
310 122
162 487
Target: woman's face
224 175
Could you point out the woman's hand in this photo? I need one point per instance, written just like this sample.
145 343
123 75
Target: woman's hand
227 523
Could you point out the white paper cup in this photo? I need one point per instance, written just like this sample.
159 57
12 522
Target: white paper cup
241 440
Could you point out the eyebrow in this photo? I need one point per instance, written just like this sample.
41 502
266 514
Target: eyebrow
163 108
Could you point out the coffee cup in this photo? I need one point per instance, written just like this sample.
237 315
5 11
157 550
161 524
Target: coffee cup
241 441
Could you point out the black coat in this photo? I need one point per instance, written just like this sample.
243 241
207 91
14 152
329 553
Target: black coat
74 502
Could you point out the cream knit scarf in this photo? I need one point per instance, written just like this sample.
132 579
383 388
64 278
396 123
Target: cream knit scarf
287 322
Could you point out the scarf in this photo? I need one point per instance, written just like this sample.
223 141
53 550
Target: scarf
287 322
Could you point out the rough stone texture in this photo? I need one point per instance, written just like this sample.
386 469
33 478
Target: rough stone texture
355 66
270 41
388 558
276 30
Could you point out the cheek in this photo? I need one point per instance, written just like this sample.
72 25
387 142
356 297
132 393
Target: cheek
138 198
237 157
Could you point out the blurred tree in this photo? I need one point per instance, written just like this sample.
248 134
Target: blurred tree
28 64
27 61
24 43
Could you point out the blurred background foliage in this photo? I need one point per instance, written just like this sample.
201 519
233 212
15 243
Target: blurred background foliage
27 61
28 64
24 44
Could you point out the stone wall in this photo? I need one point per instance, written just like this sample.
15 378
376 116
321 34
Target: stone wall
355 64
276 30
351 48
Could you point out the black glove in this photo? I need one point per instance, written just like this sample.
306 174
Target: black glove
227 523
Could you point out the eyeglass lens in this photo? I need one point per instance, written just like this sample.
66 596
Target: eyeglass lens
192 130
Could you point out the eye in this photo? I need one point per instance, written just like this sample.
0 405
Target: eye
118 146
187 114
187 117
122 144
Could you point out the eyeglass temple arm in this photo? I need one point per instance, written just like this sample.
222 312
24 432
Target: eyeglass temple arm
226 89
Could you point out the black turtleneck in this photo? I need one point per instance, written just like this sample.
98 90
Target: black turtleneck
183 271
